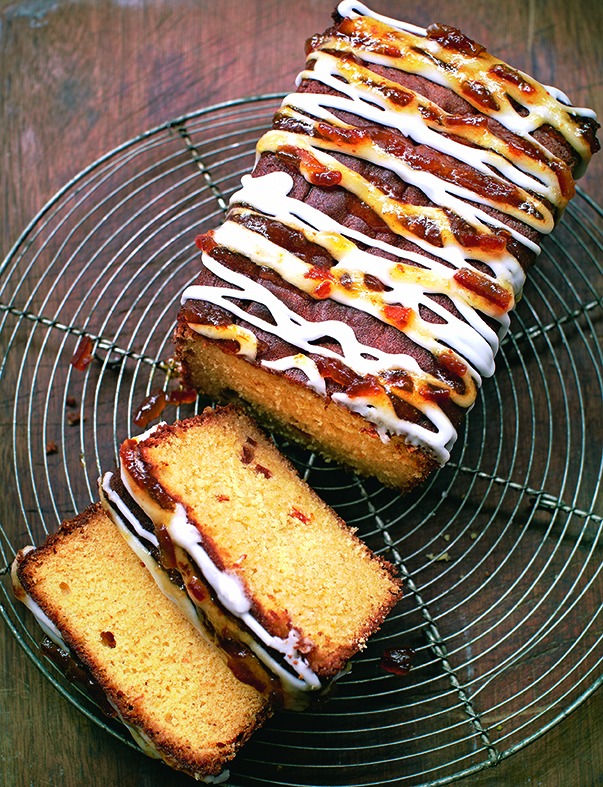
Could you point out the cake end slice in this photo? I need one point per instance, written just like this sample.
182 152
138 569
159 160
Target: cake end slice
165 681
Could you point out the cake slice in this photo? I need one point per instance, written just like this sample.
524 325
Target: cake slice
357 292
269 565
100 605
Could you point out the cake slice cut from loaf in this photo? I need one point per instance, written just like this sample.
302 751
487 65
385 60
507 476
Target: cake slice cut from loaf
99 603
268 563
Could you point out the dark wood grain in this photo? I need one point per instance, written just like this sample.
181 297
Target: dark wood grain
79 78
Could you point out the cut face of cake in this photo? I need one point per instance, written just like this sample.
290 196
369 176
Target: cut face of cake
101 607
274 572
357 292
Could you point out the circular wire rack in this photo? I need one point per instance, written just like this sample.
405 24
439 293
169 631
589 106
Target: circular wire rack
500 551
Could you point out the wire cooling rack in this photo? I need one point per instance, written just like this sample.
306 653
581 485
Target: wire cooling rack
500 551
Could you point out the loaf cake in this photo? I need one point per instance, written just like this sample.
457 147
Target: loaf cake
273 571
100 605
357 292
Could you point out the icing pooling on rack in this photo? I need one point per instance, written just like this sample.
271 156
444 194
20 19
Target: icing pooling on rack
480 171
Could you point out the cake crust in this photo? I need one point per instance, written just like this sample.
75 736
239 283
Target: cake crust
315 423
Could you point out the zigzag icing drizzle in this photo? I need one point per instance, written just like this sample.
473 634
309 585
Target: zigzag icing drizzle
515 175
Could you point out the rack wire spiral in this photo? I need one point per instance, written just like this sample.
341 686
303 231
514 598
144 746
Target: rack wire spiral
500 551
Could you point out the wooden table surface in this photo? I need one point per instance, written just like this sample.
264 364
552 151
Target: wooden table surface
77 79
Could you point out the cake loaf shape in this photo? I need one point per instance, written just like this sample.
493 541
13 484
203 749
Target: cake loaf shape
357 291
269 565
104 612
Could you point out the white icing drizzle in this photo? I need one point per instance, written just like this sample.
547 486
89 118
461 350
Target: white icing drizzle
438 190
268 194
471 338
121 512
365 100
521 181
294 329
231 593
383 416
291 327
45 623
304 364
442 192
248 343
562 97
450 68
219 779
353 10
